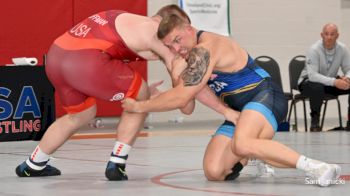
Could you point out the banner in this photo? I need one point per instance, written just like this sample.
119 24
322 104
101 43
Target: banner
209 15
27 105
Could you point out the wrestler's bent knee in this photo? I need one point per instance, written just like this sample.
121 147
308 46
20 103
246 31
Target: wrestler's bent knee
214 173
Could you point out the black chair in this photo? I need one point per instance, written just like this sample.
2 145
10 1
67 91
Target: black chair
271 66
296 65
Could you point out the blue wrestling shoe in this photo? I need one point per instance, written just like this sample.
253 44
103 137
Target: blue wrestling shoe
115 171
23 170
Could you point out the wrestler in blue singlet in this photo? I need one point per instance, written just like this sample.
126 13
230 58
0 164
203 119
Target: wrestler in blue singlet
250 88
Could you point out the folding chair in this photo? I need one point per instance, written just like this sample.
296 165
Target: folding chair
296 65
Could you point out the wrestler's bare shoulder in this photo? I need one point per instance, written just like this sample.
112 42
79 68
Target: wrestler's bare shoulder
225 53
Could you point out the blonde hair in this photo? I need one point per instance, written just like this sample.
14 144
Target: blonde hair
173 9
168 24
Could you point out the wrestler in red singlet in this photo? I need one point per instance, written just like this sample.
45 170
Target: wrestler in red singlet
90 60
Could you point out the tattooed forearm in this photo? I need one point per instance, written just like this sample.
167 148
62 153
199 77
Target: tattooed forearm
198 62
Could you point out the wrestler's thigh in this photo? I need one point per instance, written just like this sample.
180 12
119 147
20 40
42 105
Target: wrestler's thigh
260 126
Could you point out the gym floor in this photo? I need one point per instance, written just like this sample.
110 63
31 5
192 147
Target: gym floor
167 160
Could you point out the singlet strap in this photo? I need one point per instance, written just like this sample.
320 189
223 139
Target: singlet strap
199 33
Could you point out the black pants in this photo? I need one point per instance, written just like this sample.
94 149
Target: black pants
316 92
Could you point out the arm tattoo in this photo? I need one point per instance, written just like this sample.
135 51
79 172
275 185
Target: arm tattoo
198 62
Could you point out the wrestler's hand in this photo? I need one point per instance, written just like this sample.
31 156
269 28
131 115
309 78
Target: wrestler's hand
130 105
232 115
154 90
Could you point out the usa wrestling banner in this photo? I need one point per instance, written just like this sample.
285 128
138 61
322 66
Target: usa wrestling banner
26 103
209 15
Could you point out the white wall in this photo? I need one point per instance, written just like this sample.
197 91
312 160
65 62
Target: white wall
278 28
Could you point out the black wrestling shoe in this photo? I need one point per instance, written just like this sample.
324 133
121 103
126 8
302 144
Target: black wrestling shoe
115 171
23 170
237 168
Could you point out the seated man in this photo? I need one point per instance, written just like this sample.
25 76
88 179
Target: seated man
320 75
219 62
